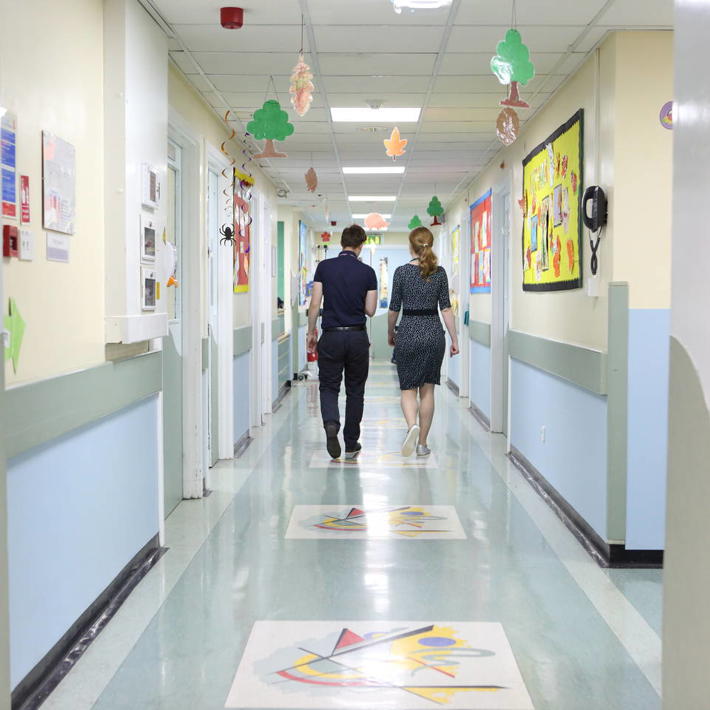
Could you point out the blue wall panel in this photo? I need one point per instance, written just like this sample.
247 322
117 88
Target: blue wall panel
479 382
242 377
573 457
274 370
649 333
79 508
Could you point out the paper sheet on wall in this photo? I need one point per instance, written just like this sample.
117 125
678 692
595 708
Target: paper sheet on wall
59 176
8 164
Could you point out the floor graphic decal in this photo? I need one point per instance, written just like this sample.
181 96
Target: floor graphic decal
374 460
383 664
354 522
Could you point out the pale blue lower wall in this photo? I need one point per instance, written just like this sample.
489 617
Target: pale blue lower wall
479 382
454 365
79 509
649 335
573 457
274 370
242 378
301 345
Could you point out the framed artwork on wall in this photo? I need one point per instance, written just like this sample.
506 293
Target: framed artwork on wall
552 213
149 230
481 213
149 285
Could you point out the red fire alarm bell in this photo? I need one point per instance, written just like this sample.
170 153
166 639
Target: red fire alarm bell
232 18
10 241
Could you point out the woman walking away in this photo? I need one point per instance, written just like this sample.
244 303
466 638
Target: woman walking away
420 288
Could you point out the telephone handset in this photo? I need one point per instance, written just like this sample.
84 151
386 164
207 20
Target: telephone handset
595 221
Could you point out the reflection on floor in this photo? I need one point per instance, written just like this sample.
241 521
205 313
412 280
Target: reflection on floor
544 622
390 664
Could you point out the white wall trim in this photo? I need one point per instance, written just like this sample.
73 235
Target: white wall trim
193 434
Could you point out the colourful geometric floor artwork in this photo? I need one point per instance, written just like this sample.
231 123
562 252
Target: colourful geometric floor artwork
363 665
373 459
354 522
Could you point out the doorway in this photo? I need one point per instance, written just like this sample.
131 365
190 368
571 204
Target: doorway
173 344
500 296
212 378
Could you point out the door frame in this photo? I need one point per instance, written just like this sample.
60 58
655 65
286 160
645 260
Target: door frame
500 307
224 334
180 133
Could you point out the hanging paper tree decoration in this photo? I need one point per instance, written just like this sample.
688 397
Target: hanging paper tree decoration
375 221
15 326
507 126
301 87
512 66
311 180
435 210
415 222
270 123
395 144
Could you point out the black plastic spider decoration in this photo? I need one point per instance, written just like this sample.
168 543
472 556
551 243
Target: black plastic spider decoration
228 235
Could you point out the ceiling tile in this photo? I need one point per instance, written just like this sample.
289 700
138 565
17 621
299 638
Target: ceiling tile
639 13
538 39
375 86
530 12
264 12
376 64
213 38
480 63
371 12
240 63
378 39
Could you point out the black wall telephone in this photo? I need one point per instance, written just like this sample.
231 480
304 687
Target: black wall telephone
595 221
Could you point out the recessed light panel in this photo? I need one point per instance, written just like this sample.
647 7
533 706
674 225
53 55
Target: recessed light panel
376 115
372 198
374 171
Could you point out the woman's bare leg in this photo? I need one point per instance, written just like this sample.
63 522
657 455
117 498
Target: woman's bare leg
426 411
410 407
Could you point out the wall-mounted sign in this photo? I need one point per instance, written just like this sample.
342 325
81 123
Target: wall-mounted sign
25 199
59 190
8 164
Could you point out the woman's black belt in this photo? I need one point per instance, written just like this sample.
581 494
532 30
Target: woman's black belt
420 312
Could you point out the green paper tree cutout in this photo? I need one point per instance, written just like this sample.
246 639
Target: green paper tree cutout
15 326
271 123
415 222
435 210
512 66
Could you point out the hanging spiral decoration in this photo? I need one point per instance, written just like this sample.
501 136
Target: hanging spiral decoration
227 229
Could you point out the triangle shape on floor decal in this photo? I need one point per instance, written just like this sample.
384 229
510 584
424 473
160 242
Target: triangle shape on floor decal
347 638
355 513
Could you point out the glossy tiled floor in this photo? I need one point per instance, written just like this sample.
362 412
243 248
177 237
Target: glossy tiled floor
579 643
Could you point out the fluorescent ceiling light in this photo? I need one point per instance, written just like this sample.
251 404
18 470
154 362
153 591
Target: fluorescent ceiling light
419 4
376 115
364 214
373 171
372 198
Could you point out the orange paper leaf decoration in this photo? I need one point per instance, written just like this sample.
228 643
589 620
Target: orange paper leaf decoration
301 87
395 144
311 180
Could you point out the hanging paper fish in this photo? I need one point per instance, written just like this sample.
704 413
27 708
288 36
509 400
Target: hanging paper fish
375 221
302 87
311 180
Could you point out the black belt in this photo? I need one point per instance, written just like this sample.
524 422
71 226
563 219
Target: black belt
343 327
422 312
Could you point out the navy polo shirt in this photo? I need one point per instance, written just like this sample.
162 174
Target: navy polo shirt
346 281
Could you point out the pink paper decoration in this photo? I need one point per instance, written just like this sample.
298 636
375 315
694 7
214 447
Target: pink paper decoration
301 87
376 221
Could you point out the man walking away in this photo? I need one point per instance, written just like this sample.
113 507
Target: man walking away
349 288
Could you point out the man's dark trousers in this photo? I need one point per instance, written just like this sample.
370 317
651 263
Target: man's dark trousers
347 350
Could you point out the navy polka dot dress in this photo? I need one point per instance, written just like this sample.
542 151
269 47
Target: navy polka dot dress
420 342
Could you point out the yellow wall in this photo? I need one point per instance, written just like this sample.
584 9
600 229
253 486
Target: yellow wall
621 89
644 168
55 85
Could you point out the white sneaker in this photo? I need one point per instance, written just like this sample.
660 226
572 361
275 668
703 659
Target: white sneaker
410 441
423 450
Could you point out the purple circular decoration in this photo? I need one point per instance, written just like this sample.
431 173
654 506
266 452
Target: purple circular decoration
437 641
666 115
413 512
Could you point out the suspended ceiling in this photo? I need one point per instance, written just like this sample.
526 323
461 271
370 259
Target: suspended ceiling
360 50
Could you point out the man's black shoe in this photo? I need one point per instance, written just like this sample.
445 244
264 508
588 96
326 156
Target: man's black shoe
353 452
332 443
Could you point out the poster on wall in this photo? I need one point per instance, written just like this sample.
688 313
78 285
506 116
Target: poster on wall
302 263
481 212
455 280
552 215
384 283
59 183
8 164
